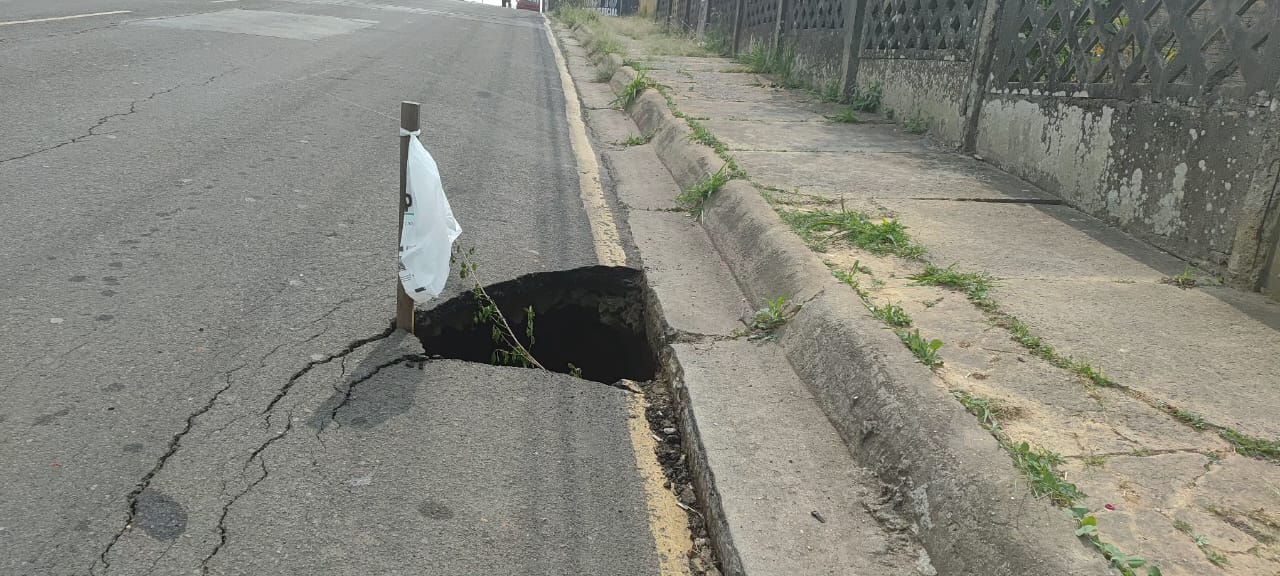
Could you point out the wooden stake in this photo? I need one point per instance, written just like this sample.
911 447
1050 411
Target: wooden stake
408 121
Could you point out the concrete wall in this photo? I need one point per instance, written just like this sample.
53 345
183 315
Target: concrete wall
933 89
818 54
1176 176
1184 153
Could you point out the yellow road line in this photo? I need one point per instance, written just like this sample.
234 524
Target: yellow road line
668 523
604 231
64 17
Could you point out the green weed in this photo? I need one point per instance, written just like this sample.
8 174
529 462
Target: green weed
1187 279
1040 468
638 140
830 91
1249 446
916 125
1094 461
892 315
701 135
869 100
510 350
848 278
775 313
846 117
576 16
779 63
605 43
694 198
633 90
1087 527
925 350
886 236
889 113
975 285
605 69
986 409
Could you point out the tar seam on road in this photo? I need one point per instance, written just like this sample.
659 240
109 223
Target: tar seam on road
668 523
604 231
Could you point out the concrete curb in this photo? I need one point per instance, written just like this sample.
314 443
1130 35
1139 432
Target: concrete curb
972 511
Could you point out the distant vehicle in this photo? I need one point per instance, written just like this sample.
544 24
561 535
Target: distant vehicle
528 5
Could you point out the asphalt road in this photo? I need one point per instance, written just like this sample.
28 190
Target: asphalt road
197 231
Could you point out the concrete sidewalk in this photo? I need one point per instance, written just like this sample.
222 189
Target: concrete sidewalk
1151 391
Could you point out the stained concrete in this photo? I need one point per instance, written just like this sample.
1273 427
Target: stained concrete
1089 290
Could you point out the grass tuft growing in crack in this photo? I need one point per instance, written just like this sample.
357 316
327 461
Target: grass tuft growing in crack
987 410
925 350
768 319
892 315
884 236
1039 466
846 117
916 124
633 90
868 100
638 140
695 197
576 16
974 285
1087 528
1185 280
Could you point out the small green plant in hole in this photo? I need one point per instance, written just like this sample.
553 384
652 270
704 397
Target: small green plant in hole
510 350
925 350
892 315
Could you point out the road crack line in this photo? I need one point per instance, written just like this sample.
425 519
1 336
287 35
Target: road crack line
174 444
133 108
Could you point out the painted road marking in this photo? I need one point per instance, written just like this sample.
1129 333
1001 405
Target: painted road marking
604 231
668 523
64 17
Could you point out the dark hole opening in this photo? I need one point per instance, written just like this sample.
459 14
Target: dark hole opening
594 318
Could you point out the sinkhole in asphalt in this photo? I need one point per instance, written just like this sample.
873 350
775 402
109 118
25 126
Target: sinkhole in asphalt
595 318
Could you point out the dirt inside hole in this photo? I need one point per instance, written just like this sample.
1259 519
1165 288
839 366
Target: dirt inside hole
594 318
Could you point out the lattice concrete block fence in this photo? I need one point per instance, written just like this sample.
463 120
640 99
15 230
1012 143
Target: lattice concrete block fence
1161 117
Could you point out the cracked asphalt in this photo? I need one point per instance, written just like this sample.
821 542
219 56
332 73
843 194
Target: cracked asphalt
198 228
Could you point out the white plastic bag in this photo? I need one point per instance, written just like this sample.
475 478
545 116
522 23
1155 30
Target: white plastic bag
429 228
